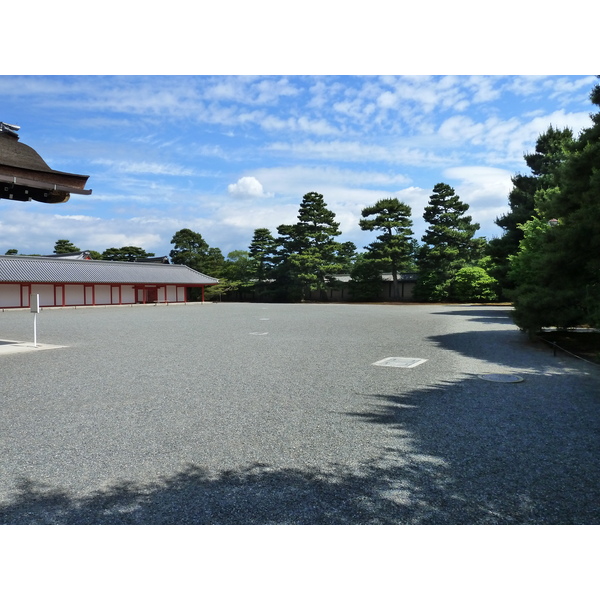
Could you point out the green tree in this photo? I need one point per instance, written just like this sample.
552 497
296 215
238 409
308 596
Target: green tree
551 150
262 253
11 251
474 284
449 244
577 207
365 283
262 250
126 253
393 246
307 251
213 263
238 266
557 269
190 249
536 303
65 247
236 275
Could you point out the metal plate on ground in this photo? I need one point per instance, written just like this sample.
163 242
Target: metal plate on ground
501 378
400 362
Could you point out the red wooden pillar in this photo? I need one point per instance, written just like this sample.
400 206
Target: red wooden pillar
25 293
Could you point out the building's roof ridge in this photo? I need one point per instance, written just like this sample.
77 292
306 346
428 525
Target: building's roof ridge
81 270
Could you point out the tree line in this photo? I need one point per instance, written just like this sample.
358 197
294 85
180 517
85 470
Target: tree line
303 259
126 253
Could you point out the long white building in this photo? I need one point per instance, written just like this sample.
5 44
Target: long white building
83 282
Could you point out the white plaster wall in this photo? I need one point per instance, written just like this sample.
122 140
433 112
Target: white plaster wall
127 294
171 291
10 295
103 295
73 295
46 292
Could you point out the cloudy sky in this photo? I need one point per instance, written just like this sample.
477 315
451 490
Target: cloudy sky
224 155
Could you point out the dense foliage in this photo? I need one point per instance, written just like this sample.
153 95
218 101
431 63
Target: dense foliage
449 245
551 150
308 253
392 250
556 270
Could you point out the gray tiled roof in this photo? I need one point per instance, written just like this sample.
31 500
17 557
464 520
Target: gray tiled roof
34 269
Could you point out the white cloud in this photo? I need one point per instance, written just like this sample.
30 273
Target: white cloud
140 167
247 187
483 88
302 124
269 216
32 230
485 190
300 180
345 151
506 141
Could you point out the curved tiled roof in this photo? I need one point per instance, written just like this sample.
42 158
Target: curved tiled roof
16 154
28 177
37 269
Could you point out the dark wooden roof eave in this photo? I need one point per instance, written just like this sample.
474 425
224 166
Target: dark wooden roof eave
45 184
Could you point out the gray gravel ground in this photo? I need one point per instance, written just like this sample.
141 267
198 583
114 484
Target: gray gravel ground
275 414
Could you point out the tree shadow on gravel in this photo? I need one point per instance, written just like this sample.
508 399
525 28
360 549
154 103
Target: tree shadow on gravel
462 452
480 314
256 495
506 347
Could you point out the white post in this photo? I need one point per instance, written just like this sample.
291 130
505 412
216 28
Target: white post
34 304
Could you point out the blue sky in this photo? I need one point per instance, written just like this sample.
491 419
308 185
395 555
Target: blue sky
224 155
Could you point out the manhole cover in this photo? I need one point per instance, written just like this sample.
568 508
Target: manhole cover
399 361
501 378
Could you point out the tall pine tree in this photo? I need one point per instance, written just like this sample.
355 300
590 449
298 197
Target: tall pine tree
551 150
307 250
449 244
392 248
557 268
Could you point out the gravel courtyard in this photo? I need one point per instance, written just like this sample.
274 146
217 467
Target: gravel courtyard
277 414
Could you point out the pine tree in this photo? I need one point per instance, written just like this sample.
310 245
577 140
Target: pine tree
551 151
262 251
557 268
190 248
126 253
449 244
393 247
65 247
307 250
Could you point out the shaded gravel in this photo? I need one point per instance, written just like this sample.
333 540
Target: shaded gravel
258 414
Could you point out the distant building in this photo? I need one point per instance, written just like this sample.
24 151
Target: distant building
78 281
340 291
